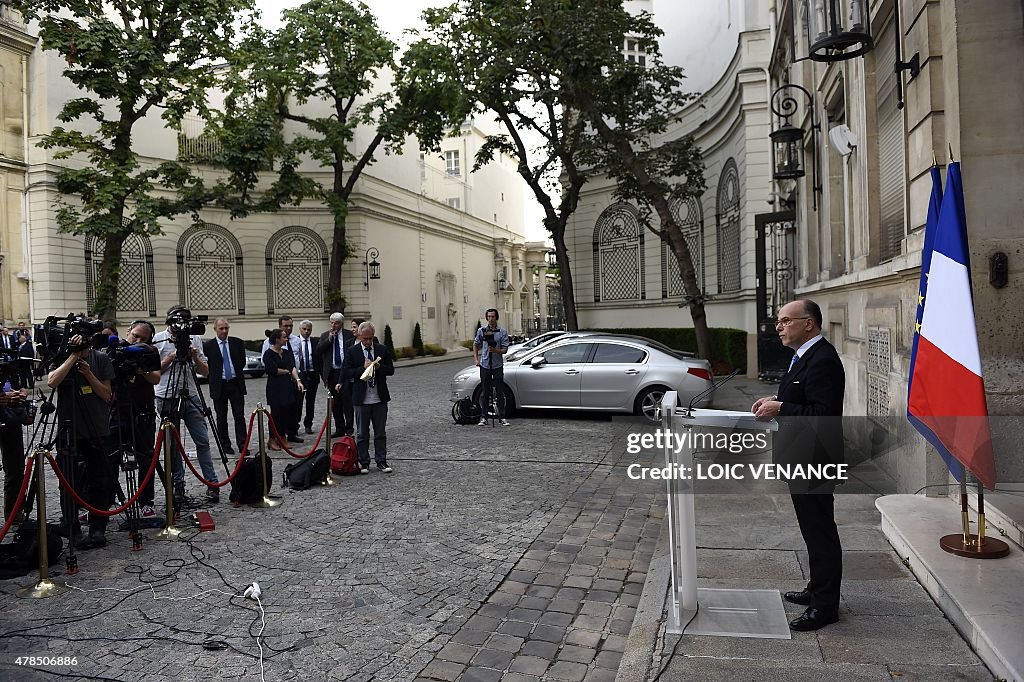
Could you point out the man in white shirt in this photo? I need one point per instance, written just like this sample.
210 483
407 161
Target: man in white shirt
177 387
309 370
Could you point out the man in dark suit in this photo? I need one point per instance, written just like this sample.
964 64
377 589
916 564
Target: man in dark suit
226 355
330 358
370 397
309 369
809 405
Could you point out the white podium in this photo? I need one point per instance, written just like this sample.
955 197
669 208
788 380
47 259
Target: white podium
706 611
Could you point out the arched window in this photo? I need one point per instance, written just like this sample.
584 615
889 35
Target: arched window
728 223
136 288
619 255
296 261
210 270
690 217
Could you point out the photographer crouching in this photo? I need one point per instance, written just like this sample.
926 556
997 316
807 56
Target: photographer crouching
84 393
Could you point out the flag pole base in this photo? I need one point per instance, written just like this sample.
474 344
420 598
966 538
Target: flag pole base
267 502
170 533
42 589
990 547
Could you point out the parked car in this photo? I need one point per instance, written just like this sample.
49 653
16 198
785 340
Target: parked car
532 343
592 371
253 369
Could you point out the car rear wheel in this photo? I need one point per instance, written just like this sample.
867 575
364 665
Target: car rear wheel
648 403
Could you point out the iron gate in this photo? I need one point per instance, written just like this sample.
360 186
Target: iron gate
775 260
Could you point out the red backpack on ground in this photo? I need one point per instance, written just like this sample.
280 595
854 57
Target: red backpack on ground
344 460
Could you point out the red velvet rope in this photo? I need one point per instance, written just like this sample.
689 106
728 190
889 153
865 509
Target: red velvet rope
112 512
283 442
238 466
21 498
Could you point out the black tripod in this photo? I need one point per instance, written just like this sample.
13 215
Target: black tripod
173 408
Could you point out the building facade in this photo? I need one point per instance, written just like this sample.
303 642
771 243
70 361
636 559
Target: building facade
624 275
871 134
15 47
437 257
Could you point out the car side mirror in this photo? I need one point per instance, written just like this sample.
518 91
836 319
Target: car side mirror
537 362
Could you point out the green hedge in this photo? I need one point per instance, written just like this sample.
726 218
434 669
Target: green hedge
728 346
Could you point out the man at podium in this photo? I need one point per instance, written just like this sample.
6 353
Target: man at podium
809 408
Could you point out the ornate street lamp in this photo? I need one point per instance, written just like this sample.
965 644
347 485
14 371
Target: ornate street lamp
371 265
500 283
788 139
837 30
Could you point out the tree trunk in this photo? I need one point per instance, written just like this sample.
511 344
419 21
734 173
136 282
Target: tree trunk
109 277
339 246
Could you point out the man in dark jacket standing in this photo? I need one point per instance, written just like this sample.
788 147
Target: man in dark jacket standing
330 355
370 396
226 355
809 405
308 366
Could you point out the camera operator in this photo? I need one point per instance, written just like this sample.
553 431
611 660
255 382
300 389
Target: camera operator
184 395
133 422
13 415
83 383
489 348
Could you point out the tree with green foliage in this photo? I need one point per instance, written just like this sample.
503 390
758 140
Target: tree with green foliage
417 340
322 75
631 106
506 55
389 341
129 60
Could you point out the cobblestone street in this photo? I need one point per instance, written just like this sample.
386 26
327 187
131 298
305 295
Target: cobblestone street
480 547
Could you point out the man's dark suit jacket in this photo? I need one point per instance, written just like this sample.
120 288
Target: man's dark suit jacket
236 349
353 369
325 351
810 419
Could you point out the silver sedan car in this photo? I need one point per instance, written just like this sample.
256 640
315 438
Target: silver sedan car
606 372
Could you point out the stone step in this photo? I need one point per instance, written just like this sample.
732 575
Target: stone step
982 598
1005 511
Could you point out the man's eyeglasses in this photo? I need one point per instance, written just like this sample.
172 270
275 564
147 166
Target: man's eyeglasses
786 321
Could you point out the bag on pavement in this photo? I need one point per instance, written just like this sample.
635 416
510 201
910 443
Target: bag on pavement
344 460
247 486
465 412
307 473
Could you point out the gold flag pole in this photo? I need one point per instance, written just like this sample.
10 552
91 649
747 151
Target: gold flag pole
329 478
967 544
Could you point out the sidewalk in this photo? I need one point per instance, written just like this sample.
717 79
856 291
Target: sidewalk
889 627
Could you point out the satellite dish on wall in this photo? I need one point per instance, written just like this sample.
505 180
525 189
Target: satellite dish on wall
843 140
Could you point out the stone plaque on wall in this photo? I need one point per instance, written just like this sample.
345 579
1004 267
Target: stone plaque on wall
431 312
396 312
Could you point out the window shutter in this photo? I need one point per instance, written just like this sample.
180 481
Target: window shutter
891 147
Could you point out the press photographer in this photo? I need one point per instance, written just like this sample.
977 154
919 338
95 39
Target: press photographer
83 384
178 397
133 421
16 411
489 349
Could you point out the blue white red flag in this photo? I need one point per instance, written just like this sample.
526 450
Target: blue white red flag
946 398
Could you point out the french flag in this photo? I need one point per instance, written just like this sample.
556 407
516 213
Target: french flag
946 398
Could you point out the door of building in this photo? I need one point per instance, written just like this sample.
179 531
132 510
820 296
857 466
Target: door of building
775 261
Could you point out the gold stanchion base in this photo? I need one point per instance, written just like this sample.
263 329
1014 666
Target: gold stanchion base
990 547
171 533
328 480
267 503
42 589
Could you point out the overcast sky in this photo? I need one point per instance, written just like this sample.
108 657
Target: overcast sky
396 16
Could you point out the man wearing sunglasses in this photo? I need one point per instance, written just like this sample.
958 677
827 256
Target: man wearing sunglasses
809 407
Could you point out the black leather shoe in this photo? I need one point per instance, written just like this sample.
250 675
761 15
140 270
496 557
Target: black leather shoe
813 619
97 538
295 439
803 597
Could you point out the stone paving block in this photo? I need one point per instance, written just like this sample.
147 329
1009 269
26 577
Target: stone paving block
565 670
578 654
535 603
530 665
443 670
564 606
557 619
596 674
548 633
527 615
608 659
518 677
492 658
481 675
539 649
517 628
504 642
459 653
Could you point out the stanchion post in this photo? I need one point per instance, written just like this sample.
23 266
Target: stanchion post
45 587
169 532
329 478
266 502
